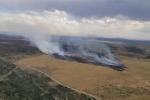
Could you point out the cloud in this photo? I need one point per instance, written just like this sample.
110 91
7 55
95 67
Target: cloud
38 27
134 9
43 24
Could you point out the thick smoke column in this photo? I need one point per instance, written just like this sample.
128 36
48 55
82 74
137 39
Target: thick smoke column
47 31
46 45
89 50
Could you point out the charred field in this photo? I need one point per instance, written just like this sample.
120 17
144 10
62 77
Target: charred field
100 80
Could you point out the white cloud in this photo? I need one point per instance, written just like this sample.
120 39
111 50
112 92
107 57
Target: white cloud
43 24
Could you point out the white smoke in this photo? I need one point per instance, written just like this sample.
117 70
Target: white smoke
88 50
39 26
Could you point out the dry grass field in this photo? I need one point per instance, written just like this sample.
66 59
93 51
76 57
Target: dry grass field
105 83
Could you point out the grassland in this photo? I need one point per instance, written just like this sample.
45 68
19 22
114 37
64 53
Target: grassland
23 84
105 83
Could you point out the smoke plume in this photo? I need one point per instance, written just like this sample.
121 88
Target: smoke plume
40 27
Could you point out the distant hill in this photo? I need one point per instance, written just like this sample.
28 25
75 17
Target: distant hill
127 41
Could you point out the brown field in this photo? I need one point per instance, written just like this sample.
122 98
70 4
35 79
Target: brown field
105 83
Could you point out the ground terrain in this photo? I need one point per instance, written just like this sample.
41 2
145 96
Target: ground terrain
23 84
133 83
105 83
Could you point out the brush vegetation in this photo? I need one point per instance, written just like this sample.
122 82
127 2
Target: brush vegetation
19 84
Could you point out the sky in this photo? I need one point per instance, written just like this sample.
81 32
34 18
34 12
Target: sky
129 19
